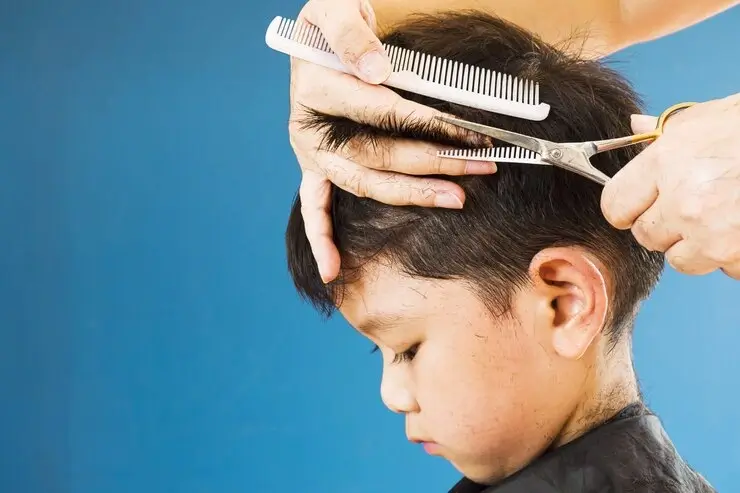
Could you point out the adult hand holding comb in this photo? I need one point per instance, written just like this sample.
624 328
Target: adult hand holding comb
384 172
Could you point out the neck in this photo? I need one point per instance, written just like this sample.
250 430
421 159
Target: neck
611 388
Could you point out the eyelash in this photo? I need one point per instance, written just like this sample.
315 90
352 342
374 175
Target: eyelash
403 357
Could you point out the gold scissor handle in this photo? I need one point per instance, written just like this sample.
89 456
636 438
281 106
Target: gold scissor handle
618 143
666 115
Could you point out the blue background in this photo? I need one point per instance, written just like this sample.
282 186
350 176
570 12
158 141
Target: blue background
151 339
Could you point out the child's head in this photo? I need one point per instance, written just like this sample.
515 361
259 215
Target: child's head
504 327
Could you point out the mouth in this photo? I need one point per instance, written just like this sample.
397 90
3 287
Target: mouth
429 447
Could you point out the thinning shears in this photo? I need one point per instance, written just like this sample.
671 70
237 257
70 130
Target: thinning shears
575 157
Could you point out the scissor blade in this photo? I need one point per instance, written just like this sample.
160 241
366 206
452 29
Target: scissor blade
535 145
509 154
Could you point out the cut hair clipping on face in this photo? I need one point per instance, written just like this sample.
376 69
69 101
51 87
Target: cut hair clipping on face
419 73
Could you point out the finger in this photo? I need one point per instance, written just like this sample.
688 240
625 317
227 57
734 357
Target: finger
631 191
732 270
368 13
390 188
685 256
643 123
348 34
380 107
315 194
412 157
653 231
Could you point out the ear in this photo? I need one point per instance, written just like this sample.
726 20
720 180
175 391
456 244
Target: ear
574 297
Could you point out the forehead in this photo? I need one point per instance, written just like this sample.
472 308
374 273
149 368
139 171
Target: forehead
383 297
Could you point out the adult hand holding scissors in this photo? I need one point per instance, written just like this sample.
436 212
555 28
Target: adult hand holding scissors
681 195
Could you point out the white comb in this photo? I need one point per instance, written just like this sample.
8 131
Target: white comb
420 73
505 154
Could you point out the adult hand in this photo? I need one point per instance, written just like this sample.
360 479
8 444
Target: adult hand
681 195
379 172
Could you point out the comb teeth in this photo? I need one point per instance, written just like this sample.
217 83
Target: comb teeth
420 73
430 68
463 76
504 154
303 33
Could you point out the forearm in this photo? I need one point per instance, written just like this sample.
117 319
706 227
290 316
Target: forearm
645 20
595 27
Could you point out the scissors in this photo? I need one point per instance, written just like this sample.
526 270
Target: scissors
575 157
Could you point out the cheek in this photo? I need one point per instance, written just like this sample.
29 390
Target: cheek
483 391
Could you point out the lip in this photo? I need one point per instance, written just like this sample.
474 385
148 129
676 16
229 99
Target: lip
430 448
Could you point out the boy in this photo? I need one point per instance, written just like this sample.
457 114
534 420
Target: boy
504 327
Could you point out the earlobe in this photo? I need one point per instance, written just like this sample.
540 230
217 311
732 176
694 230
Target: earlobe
577 295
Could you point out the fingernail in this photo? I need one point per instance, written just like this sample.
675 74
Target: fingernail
479 168
374 67
447 200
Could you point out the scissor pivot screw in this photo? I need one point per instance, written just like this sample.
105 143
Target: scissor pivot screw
557 153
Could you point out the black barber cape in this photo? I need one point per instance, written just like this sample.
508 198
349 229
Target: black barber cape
630 453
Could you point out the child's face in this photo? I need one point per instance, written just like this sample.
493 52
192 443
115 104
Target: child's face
487 394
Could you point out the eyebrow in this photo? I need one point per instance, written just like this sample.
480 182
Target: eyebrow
381 322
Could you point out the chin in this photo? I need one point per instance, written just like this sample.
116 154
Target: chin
491 470
486 475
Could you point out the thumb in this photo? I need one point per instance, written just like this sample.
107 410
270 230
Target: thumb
631 191
346 28
643 123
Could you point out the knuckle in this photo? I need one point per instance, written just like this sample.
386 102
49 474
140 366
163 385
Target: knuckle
396 103
375 154
641 233
330 168
421 194
354 150
407 197
677 261
383 155
612 212
345 38
440 166
294 127
308 12
650 232
297 136
360 186
396 191
354 183
688 259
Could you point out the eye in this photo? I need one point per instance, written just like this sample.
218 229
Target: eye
403 357
407 355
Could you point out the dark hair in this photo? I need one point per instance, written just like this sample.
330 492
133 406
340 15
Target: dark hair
508 217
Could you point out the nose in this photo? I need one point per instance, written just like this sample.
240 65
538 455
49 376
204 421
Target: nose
396 390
